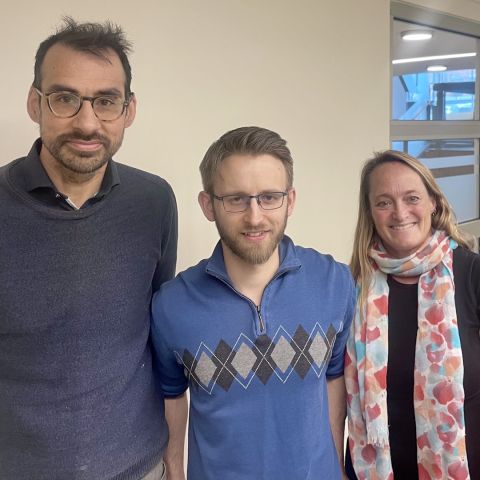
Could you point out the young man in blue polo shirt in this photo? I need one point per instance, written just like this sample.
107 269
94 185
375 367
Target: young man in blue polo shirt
257 331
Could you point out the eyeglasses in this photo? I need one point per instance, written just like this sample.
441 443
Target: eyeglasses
240 203
68 104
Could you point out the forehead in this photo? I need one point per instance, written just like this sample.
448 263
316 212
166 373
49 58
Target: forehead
394 177
250 174
82 71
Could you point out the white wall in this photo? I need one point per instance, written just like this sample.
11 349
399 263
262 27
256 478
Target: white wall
315 71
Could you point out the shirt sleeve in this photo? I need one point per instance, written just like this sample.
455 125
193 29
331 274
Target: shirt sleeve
337 360
168 366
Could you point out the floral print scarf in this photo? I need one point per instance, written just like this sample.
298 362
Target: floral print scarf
438 373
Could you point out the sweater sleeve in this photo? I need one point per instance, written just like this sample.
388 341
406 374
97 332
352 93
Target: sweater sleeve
168 367
168 247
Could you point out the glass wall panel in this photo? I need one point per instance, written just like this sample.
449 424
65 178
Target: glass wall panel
420 94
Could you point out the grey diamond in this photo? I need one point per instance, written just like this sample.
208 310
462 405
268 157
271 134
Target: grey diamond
282 354
318 349
205 369
244 360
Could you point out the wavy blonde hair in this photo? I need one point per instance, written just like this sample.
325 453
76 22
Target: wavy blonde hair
365 234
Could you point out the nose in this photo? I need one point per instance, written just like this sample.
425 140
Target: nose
86 120
254 212
399 211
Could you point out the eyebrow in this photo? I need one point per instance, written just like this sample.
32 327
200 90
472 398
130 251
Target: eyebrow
58 87
408 192
245 194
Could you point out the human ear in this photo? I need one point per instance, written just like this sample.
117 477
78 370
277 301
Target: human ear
131 111
291 198
33 105
206 204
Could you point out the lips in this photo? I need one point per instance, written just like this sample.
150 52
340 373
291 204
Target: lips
85 143
255 235
87 146
405 226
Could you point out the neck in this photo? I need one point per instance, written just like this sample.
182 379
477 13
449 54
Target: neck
78 187
250 279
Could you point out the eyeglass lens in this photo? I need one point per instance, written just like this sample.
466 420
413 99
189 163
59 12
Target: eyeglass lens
64 104
240 203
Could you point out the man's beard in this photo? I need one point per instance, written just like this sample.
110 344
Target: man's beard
82 162
252 254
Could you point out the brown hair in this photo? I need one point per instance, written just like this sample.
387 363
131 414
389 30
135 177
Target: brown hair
248 141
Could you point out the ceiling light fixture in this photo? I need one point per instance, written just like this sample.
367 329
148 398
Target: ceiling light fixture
414 35
435 57
436 68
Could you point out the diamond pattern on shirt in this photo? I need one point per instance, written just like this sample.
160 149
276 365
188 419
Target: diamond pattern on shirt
283 354
246 359
320 347
205 369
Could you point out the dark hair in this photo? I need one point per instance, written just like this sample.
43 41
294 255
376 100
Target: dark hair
94 38
247 141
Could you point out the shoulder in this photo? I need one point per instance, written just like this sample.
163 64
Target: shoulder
136 177
11 165
145 186
466 262
466 273
323 264
184 284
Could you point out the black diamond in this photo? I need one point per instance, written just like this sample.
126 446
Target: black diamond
302 360
261 367
302 366
264 371
225 378
223 351
331 333
300 338
188 360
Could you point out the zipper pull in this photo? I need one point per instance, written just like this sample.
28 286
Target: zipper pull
260 319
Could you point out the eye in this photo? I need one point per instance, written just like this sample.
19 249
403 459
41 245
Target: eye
106 101
235 199
382 204
413 199
65 98
268 197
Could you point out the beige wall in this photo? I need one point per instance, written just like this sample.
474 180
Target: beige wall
315 71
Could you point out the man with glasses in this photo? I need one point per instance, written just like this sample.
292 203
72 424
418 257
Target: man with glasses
258 330
84 242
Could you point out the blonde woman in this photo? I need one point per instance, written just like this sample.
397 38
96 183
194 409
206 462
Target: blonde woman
413 358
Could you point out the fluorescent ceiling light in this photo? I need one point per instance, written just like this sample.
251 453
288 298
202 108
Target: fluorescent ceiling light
436 68
434 57
412 35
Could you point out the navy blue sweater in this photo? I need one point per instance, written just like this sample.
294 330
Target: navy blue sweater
77 395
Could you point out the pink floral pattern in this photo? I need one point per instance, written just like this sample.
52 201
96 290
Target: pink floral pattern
438 375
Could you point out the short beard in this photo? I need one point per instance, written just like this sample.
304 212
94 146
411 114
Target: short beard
81 163
252 255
